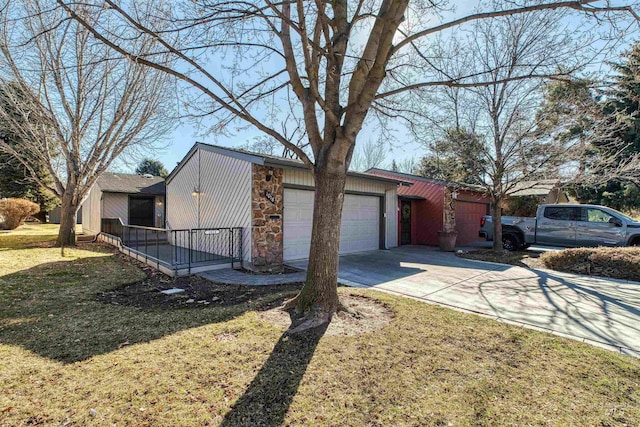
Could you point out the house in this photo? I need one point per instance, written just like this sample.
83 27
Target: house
135 199
422 209
547 191
54 216
525 197
271 198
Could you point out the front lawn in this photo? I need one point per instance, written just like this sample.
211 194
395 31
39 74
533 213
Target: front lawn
70 356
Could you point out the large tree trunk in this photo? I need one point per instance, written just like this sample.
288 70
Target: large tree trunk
68 212
319 296
496 217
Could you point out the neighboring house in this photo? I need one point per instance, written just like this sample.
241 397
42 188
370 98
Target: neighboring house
135 199
422 209
271 198
54 215
548 191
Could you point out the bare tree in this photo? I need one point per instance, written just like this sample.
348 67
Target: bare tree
326 65
75 104
513 145
369 155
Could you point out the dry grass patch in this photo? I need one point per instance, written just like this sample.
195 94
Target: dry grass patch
618 263
68 359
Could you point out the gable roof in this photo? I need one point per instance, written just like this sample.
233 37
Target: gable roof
535 188
267 160
131 184
411 177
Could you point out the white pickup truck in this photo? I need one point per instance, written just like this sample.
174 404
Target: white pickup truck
566 225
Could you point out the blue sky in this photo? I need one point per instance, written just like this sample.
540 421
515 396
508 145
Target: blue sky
183 137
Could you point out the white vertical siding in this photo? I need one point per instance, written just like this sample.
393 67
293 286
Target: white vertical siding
226 195
182 205
91 211
362 185
391 214
116 205
224 199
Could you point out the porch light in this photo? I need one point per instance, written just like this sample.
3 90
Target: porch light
196 192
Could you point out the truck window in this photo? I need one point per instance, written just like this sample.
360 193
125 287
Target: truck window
561 213
597 215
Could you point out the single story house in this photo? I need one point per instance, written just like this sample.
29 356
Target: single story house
548 191
135 199
54 216
271 198
422 209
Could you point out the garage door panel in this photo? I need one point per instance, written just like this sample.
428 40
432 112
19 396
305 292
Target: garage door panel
360 223
468 216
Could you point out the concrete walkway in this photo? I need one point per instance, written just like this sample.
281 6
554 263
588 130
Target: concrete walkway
603 312
234 277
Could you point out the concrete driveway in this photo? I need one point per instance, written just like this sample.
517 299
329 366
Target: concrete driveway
599 311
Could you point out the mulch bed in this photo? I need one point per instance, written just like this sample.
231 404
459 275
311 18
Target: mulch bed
616 263
199 292
527 259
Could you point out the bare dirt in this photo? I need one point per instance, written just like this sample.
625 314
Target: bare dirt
198 293
365 315
370 316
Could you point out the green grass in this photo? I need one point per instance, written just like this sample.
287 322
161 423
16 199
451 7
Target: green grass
66 359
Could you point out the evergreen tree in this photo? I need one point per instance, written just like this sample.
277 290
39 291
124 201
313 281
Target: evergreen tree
15 179
458 157
622 102
152 167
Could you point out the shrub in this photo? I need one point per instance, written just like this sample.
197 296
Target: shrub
13 212
619 263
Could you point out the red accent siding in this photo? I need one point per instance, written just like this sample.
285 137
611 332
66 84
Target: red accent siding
427 214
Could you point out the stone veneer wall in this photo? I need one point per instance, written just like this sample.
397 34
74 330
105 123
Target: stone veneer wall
449 212
266 229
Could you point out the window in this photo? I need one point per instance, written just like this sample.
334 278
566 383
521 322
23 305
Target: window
561 213
597 215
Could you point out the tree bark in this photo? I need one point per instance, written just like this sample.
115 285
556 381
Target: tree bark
320 292
496 217
68 213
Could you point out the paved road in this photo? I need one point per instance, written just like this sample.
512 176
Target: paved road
599 311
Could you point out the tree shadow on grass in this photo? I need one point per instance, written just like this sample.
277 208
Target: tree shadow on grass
52 310
268 397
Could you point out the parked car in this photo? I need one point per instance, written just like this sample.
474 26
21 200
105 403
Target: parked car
566 225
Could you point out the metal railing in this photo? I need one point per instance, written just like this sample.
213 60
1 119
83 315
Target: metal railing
206 245
183 249
112 226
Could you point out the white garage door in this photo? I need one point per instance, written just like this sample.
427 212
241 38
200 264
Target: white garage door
360 223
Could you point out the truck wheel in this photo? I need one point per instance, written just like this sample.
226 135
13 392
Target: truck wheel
510 242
